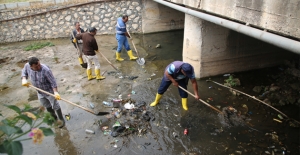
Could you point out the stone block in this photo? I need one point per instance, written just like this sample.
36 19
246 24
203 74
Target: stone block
2 7
11 5
23 4
59 1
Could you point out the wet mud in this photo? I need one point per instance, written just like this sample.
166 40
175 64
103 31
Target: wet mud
256 133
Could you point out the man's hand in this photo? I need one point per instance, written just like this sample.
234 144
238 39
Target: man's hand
97 51
197 97
25 82
175 83
57 96
74 40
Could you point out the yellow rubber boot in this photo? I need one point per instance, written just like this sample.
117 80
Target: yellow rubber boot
157 99
118 57
98 75
130 55
89 74
80 61
184 103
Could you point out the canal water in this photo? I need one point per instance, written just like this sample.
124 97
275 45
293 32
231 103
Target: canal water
207 133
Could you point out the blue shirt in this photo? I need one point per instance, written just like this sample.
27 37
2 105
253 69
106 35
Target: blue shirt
42 79
121 26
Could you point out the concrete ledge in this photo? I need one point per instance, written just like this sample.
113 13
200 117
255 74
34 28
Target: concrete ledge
11 5
23 4
2 6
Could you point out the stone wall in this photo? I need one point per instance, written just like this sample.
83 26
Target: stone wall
59 23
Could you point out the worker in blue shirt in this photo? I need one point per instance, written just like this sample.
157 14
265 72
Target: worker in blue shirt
178 73
121 34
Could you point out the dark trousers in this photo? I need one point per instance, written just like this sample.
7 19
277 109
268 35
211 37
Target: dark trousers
164 85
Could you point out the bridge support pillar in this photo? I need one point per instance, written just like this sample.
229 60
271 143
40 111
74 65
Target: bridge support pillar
215 50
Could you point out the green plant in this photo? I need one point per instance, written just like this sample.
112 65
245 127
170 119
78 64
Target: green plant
38 45
13 131
230 81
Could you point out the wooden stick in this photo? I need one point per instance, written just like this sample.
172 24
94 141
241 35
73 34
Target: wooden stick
88 110
201 100
109 61
254 99
133 45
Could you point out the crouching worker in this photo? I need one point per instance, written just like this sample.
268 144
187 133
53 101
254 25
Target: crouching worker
90 47
41 77
178 73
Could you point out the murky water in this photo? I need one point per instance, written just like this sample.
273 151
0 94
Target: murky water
206 134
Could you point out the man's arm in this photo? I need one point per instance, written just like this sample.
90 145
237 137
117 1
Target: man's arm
171 78
195 87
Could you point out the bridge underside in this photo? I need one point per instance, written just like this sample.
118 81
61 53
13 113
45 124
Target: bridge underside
212 49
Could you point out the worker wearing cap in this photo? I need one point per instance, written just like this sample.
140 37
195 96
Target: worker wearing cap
121 34
76 31
178 73
90 47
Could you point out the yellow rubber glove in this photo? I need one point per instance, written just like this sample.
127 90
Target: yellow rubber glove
25 82
57 96
74 40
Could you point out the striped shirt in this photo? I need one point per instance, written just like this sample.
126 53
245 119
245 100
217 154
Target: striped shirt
42 79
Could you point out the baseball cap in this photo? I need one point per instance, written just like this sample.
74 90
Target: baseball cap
92 29
188 69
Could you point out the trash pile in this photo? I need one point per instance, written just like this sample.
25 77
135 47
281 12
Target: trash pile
231 117
130 117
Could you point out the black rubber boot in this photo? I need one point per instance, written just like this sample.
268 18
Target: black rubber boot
52 112
60 116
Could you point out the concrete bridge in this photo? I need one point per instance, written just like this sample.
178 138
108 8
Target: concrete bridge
225 36
220 36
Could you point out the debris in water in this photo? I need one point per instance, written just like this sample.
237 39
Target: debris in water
92 105
68 116
175 134
185 132
133 92
153 74
226 75
279 116
148 79
106 103
274 119
89 131
158 46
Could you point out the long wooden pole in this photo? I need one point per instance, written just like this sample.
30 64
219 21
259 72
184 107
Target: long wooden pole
201 100
88 110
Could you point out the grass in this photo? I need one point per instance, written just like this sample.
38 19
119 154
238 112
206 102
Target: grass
38 45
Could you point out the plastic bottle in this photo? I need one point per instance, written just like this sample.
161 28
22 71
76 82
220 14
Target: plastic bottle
106 103
89 131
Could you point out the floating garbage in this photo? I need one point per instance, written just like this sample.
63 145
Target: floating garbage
158 46
106 103
133 92
226 75
148 79
68 116
279 121
107 132
128 106
153 74
89 131
175 134
210 87
120 97
279 116
92 105
185 132
104 128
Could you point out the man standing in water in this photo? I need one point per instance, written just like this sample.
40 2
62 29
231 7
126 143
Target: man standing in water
121 36
178 73
89 47
41 77
76 31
